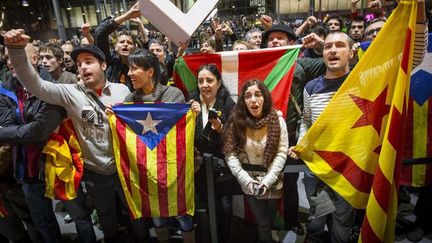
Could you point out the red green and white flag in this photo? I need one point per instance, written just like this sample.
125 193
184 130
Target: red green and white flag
274 66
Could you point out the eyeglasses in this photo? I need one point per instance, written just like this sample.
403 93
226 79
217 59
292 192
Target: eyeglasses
257 94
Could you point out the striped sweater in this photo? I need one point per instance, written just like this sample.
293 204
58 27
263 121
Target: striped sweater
316 95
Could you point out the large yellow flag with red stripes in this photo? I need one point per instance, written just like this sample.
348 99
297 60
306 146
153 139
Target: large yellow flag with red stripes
355 146
154 153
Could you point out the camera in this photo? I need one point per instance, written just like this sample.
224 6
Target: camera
213 114
258 190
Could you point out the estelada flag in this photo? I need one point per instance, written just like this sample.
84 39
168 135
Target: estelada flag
64 165
154 152
274 66
356 144
417 166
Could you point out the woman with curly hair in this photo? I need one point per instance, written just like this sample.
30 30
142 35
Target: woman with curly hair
256 145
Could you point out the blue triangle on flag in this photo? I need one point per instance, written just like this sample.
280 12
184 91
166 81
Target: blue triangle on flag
420 89
151 121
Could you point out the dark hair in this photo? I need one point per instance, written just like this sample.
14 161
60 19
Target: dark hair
55 48
235 133
339 19
127 33
349 39
145 59
359 19
320 29
211 67
157 41
241 112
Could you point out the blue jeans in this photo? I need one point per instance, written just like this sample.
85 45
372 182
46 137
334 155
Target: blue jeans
42 212
185 222
80 215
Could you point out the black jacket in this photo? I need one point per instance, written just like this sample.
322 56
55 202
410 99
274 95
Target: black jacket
224 103
115 68
306 69
30 129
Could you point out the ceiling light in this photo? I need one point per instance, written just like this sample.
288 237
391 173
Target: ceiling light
68 6
24 3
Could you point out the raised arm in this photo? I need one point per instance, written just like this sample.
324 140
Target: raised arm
85 29
15 41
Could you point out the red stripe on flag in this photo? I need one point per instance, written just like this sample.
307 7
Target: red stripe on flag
407 171
343 164
408 151
406 51
399 151
181 165
282 91
266 62
141 152
196 61
429 129
162 177
180 84
367 234
124 161
60 189
396 129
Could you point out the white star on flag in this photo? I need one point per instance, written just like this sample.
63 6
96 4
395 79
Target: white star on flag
425 65
149 124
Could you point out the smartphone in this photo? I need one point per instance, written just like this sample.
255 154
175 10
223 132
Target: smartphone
213 114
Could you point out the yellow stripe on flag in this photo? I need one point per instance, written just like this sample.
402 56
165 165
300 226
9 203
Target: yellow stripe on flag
136 212
153 181
189 180
134 175
420 125
171 155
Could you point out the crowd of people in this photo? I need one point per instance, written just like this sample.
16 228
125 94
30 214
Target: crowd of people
42 84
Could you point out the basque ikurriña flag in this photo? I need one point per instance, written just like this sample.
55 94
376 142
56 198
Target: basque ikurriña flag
356 144
154 152
274 66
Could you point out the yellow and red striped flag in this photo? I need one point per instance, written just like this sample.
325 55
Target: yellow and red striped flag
64 164
154 153
356 144
417 166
